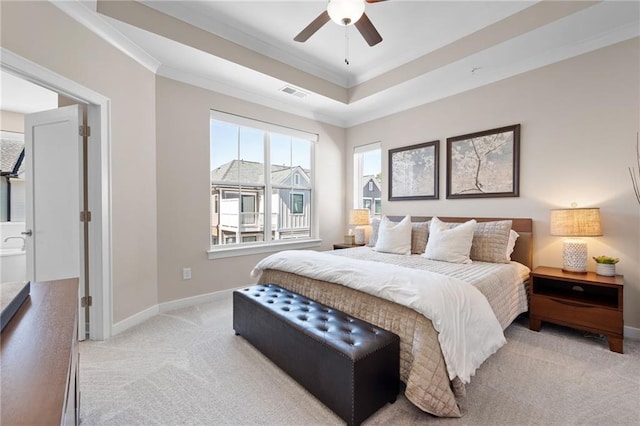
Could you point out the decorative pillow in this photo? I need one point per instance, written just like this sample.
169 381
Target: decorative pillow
419 236
490 241
375 225
513 236
449 244
394 237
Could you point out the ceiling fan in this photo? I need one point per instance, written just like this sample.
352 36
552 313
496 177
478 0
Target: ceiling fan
344 12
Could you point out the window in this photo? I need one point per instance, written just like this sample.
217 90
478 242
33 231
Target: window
12 172
367 178
297 203
378 207
254 168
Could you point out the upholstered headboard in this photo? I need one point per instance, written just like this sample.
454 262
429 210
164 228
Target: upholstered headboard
523 251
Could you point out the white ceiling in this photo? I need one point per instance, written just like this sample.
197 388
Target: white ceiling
21 96
410 29
431 49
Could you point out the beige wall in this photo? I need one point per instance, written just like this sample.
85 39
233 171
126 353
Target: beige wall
183 187
579 123
69 49
11 121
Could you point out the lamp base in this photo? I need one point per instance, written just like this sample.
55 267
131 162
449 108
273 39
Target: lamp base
574 256
362 234
574 272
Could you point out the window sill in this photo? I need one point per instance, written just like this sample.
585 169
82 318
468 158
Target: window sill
245 250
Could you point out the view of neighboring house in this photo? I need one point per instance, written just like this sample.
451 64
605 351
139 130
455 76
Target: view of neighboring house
12 185
238 208
371 194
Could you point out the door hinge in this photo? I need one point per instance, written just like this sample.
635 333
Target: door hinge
85 216
85 131
86 301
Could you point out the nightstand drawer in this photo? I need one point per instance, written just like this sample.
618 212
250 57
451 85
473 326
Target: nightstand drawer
577 314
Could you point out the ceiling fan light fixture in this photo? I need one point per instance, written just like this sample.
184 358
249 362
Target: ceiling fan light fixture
345 12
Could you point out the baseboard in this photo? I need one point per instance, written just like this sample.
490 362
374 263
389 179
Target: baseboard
134 320
154 310
194 300
631 333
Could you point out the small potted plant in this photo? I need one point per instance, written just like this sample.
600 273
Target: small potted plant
606 265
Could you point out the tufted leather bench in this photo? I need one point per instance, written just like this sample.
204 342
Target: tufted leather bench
348 364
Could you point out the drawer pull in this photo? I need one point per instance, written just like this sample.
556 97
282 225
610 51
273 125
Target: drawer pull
565 302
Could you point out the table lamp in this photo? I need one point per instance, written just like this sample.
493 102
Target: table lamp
576 222
359 218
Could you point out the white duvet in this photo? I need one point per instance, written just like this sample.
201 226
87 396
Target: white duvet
468 330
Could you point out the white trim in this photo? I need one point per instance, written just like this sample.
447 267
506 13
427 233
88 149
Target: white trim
366 148
95 23
631 333
266 126
134 320
100 182
140 317
195 300
221 251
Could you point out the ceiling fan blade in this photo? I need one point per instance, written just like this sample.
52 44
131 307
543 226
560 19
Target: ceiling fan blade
374 1
314 26
368 31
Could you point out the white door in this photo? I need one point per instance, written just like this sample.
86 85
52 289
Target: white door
53 160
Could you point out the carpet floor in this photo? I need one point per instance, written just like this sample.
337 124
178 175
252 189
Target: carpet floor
187 367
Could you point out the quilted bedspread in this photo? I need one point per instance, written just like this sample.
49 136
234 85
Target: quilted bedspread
422 365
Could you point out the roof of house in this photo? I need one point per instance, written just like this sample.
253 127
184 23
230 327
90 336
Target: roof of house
251 172
10 151
367 178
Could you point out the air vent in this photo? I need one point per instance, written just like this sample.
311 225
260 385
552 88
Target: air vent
293 91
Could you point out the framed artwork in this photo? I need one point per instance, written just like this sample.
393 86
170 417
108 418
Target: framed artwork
484 164
413 172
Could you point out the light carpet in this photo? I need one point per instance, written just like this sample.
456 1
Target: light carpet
187 367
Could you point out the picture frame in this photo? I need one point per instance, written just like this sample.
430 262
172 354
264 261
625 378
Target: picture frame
414 171
484 164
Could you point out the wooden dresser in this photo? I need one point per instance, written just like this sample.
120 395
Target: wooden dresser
40 358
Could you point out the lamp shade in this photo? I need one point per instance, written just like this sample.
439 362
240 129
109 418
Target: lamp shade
576 222
345 12
359 217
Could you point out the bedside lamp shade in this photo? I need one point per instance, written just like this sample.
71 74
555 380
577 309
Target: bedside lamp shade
575 223
359 217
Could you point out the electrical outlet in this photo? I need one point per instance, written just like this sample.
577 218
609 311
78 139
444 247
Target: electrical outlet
186 273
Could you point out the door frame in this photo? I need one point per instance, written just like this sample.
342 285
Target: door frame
99 181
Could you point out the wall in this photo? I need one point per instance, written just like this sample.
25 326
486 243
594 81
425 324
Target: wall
11 121
69 49
579 118
183 176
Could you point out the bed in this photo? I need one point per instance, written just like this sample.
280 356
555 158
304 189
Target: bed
423 369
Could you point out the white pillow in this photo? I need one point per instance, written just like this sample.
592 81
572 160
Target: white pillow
394 237
449 245
513 236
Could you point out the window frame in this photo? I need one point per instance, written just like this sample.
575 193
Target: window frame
291 195
269 245
358 165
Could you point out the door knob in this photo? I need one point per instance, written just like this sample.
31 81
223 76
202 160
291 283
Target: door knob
27 233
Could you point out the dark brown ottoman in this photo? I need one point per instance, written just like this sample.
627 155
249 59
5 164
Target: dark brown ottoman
348 364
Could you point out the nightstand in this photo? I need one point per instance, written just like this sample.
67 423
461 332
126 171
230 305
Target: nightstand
344 246
588 302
